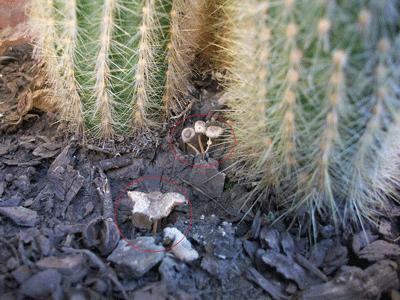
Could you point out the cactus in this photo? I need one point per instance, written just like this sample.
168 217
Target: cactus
313 95
116 66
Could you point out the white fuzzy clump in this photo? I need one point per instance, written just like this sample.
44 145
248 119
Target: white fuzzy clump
183 250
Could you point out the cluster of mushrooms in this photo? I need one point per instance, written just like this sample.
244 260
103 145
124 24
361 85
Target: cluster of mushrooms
201 131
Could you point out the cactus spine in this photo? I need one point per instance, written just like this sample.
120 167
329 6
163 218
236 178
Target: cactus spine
313 99
117 65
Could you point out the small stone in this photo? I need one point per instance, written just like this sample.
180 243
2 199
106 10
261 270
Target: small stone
41 285
131 262
20 215
181 247
65 265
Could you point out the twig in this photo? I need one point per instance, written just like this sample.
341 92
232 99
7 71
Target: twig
99 149
188 108
104 192
305 263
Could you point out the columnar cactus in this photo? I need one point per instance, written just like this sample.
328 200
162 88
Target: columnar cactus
314 96
116 65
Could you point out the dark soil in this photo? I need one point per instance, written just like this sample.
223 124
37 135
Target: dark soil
64 216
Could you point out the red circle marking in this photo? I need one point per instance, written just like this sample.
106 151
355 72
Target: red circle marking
162 179
182 159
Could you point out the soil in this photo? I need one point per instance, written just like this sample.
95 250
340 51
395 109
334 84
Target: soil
66 230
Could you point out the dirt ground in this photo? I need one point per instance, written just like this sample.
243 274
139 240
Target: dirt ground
66 230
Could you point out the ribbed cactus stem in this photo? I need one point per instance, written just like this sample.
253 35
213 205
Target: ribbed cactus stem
320 187
365 183
43 21
286 136
72 109
180 53
114 61
145 62
102 88
322 134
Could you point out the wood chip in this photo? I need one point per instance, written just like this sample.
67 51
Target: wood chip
379 250
20 215
273 290
286 266
354 283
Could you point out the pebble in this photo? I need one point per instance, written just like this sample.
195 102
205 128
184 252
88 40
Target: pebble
130 262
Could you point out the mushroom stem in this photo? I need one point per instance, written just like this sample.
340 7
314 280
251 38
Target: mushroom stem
194 148
155 225
209 143
200 144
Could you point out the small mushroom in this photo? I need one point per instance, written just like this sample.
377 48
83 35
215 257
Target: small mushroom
152 207
187 136
213 132
200 129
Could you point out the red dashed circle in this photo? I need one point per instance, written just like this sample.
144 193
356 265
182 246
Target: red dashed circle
152 178
182 159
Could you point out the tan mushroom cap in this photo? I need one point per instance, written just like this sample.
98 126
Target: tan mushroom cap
200 127
155 205
214 131
188 134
